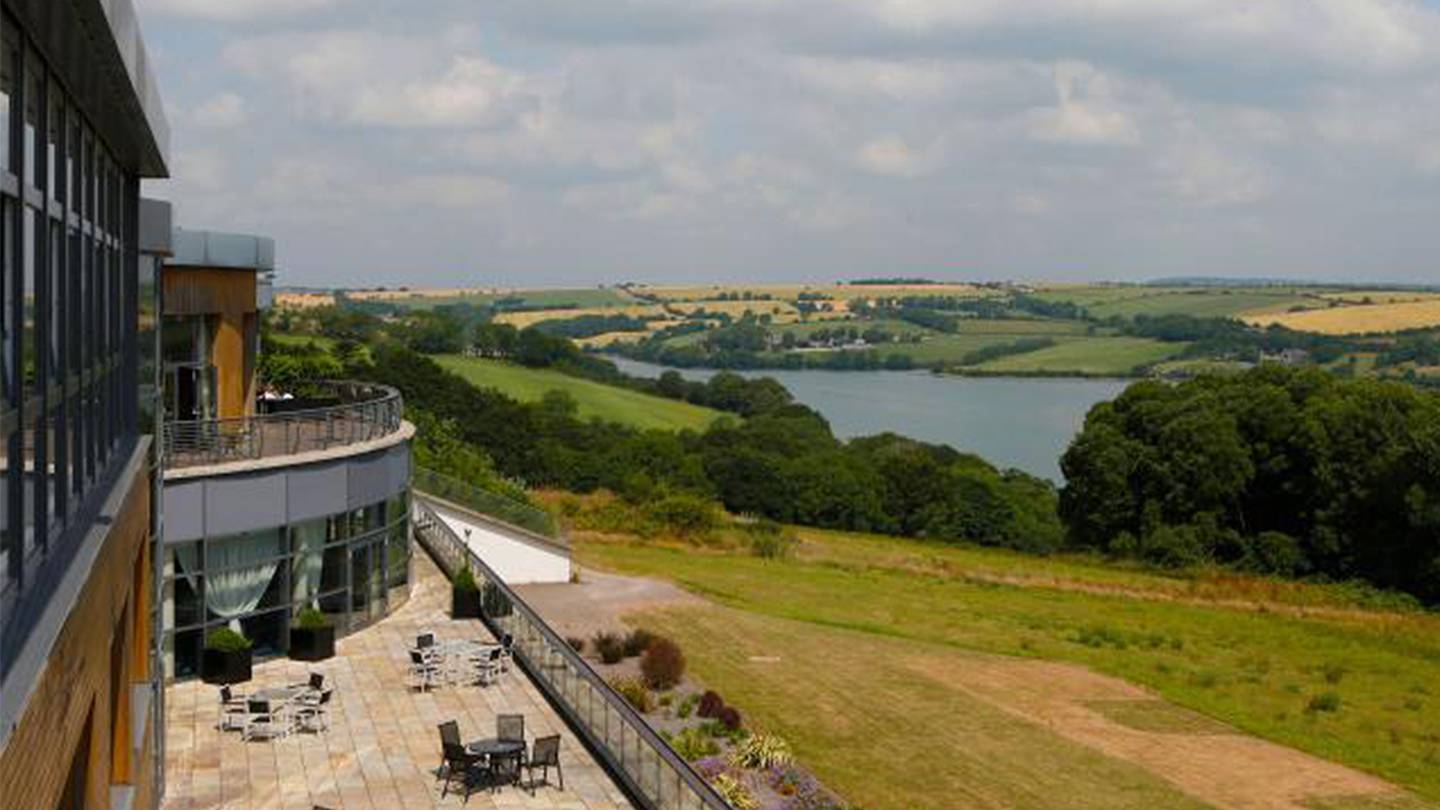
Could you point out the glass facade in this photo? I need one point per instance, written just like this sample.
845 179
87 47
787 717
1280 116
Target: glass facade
68 404
353 566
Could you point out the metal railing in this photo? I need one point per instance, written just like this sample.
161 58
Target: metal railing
652 775
489 504
365 411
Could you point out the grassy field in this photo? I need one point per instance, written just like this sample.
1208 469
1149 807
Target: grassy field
593 399
847 646
1359 319
1097 356
1201 302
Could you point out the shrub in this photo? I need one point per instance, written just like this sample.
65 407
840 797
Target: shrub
730 718
663 665
576 643
692 744
609 647
734 792
638 642
465 580
710 704
311 619
687 706
773 546
634 693
1323 702
226 640
761 751
685 515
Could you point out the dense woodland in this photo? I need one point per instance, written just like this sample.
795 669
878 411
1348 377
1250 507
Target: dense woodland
1285 471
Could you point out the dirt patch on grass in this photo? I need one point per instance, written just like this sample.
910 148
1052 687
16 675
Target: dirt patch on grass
598 600
1219 766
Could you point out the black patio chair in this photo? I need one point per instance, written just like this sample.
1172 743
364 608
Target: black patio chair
424 640
456 762
545 756
510 727
317 681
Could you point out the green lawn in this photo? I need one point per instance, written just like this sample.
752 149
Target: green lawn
595 400
1098 356
856 605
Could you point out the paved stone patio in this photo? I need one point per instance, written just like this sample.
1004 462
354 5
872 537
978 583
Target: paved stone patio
382 749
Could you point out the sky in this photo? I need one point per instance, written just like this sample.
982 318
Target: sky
584 142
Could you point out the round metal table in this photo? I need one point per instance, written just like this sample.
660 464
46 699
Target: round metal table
496 751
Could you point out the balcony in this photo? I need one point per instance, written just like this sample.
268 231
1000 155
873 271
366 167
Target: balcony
350 413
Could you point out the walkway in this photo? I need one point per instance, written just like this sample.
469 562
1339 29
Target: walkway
382 748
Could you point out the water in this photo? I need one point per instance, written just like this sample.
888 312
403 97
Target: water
1025 423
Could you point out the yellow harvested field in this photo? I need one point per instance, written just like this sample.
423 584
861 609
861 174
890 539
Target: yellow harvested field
292 300
520 320
1357 320
791 292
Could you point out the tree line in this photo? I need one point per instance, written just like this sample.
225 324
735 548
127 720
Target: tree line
1277 470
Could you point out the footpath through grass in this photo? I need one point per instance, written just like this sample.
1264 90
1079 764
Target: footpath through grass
1353 686
593 399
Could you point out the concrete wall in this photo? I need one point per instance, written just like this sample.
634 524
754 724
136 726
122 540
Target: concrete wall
516 559
88 682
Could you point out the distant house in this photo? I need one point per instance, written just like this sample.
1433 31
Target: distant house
1286 357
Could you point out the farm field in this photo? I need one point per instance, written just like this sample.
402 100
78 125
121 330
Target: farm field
585 297
935 639
521 320
593 399
1097 356
792 292
1359 319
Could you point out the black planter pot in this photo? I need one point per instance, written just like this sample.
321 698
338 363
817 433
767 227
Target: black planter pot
224 667
312 644
464 604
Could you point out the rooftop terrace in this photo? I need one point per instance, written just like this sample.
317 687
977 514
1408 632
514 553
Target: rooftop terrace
382 748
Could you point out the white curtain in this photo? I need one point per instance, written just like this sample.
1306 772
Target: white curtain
238 570
310 539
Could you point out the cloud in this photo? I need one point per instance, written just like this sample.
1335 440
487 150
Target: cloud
891 156
1085 114
222 111
232 10
713 137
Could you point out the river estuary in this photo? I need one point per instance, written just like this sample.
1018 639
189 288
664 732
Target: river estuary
1025 423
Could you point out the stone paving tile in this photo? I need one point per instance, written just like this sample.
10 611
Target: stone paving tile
382 749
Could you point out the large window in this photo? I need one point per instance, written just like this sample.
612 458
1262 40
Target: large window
67 388
353 566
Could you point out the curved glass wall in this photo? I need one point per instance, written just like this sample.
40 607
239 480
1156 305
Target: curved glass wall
354 566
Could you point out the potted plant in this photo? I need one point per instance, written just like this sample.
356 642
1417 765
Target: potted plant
312 638
226 657
464 595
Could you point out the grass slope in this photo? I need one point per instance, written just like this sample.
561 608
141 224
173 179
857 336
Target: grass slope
1199 644
595 400
1088 355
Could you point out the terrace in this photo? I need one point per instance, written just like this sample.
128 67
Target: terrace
382 748
338 414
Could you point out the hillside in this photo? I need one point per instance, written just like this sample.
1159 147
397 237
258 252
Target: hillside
593 399
1054 682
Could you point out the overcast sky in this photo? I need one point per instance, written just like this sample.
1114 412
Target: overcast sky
557 142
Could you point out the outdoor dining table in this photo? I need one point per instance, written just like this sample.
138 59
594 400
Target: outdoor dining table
496 749
280 694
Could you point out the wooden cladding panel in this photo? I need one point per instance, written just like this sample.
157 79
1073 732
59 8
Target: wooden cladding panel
74 688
